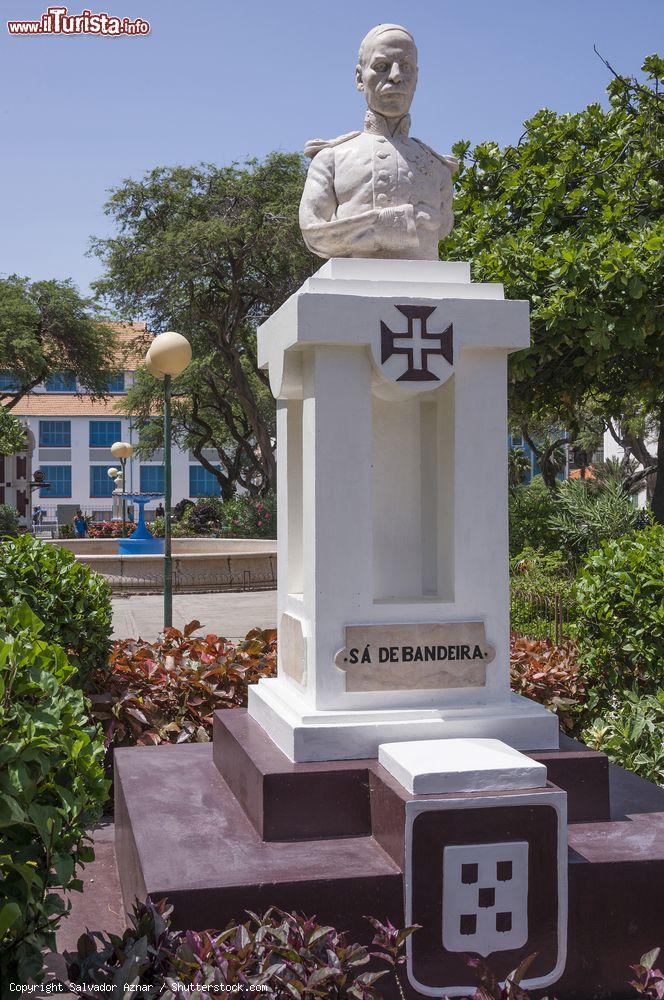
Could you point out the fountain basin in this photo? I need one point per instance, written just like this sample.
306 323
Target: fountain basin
199 564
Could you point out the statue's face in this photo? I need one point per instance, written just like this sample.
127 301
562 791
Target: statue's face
388 74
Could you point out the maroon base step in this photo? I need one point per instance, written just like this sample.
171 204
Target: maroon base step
271 789
328 839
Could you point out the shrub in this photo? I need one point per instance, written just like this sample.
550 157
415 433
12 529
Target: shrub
167 691
157 528
8 521
250 517
621 633
550 675
290 954
51 789
66 531
181 507
530 508
242 517
110 529
630 734
73 602
541 587
204 518
586 515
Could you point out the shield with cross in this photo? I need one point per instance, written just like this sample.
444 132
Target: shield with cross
422 354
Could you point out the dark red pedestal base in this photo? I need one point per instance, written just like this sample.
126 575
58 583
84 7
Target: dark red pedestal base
234 826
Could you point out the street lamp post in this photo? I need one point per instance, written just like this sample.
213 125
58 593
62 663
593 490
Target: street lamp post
168 356
123 450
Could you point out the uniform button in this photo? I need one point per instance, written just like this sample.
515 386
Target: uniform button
410 175
383 175
383 154
380 138
381 197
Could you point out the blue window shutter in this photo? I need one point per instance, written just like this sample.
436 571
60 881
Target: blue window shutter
117 383
152 479
61 382
202 483
59 477
104 433
55 433
100 484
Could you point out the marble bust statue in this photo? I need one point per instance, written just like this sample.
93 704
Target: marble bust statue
379 192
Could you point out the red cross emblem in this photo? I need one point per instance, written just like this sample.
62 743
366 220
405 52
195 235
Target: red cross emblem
417 344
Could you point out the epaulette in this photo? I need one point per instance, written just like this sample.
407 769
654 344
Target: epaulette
315 145
450 162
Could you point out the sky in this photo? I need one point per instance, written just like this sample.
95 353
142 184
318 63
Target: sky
220 81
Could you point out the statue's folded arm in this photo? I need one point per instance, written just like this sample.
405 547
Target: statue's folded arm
366 234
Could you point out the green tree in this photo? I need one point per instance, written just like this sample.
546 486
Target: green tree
518 467
47 327
571 218
210 252
12 433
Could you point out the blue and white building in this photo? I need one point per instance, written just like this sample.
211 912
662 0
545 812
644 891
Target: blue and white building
70 437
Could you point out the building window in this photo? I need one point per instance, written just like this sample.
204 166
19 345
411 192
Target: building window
203 483
55 434
61 382
59 477
100 484
9 382
152 479
104 433
117 383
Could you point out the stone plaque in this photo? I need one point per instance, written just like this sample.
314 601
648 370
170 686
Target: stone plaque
415 657
293 649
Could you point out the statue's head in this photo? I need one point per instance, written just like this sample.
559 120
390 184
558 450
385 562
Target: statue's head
386 69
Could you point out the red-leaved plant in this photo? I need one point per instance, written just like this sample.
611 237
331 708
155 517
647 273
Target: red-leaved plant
110 529
167 691
548 674
292 955
389 943
649 981
491 988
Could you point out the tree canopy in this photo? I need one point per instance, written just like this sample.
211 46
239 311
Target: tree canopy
571 218
46 327
12 433
210 252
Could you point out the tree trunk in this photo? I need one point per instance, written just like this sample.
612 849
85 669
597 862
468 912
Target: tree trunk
658 492
252 413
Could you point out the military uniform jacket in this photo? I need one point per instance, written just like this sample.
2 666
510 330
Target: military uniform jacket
376 193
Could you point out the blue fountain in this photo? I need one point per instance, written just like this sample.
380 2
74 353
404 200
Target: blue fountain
141 542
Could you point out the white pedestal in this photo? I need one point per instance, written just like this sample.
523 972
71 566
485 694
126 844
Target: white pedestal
393 597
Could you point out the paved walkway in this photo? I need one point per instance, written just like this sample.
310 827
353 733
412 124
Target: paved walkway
229 614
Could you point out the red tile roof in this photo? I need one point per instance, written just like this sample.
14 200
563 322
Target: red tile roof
62 404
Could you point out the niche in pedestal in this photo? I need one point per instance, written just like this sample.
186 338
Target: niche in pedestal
413 496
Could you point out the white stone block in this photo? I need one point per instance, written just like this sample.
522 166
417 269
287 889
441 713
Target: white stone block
460 765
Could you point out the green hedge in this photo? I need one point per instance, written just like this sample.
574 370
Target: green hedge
530 508
8 521
52 789
620 589
630 734
72 601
